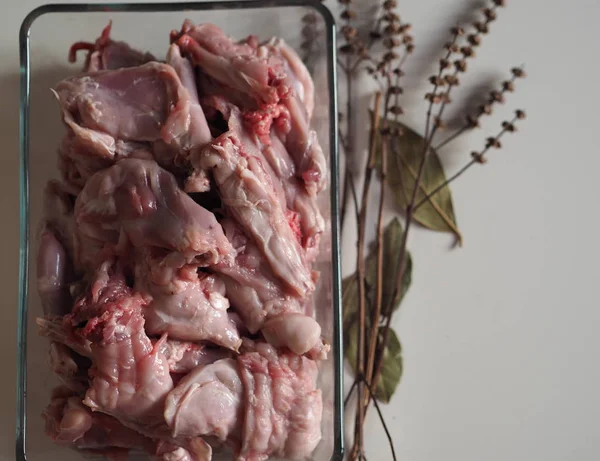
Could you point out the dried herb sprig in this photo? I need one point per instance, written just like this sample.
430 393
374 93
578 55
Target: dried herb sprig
382 54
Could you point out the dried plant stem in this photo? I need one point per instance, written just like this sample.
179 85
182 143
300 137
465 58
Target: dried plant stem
452 137
382 419
362 296
472 162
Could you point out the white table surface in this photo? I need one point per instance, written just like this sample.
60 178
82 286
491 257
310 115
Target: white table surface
500 337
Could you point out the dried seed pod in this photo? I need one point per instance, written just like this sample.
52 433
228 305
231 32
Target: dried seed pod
396 110
445 98
349 32
496 96
489 13
467 52
444 63
407 39
439 123
392 29
460 65
499 3
410 48
390 56
472 122
405 27
396 90
509 126
508 86
485 109
370 70
390 4
451 79
520 114
435 80
481 27
452 47
399 72
479 158
518 72
474 39
375 35
391 42
348 14
493 142
458 31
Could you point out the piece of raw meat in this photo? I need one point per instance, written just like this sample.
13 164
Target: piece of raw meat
249 197
130 378
207 402
185 304
266 76
69 367
128 112
283 406
54 272
184 356
137 202
187 129
70 422
107 54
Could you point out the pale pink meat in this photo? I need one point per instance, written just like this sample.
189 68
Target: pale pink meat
186 222
130 378
206 402
184 356
185 305
138 202
283 406
54 272
70 422
250 198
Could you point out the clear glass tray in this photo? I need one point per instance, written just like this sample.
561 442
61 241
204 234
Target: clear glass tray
45 37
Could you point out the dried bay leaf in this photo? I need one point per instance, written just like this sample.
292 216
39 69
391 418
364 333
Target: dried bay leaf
391 367
404 155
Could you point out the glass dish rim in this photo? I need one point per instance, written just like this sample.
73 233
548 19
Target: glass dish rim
24 75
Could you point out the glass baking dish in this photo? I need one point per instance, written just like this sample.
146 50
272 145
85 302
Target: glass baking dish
45 37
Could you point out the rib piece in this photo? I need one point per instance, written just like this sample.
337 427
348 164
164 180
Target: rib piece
138 201
185 305
107 54
249 196
130 378
206 402
283 406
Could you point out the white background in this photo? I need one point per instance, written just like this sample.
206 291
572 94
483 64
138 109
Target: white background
500 337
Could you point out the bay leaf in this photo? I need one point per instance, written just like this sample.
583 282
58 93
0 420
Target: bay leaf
404 155
391 368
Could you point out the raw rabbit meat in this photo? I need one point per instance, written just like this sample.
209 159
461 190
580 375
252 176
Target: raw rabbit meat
175 259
